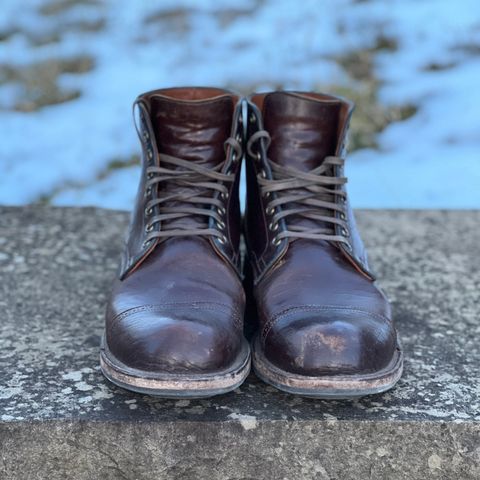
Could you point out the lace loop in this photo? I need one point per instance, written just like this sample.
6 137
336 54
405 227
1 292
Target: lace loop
312 204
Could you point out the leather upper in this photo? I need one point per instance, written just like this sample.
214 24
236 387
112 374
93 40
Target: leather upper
319 309
178 303
191 123
302 134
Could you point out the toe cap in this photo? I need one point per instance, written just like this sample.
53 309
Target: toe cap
174 340
331 341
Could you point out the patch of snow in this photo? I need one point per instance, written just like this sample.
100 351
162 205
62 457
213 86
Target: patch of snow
430 160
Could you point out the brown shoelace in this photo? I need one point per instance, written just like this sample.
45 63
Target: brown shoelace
188 190
315 195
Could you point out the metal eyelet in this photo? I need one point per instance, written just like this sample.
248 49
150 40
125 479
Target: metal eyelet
348 247
270 210
263 173
221 210
150 154
221 224
150 175
252 118
146 136
273 226
276 241
342 216
148 211
258 156
146 243
238 137
224 195
222 239
149 227
148 191
345 232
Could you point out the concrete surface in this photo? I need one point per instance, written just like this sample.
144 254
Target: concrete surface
59 418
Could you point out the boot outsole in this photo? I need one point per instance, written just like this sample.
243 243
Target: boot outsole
173 385
329 387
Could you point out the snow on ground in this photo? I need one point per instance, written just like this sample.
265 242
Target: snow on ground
74 145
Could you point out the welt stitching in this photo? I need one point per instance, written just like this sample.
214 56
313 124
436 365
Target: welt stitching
205 306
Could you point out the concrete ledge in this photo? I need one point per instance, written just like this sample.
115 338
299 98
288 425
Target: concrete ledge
60 419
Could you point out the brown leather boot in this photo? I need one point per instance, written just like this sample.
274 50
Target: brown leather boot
325 328
175 317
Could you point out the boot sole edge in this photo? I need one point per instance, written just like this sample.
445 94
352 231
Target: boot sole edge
171 385
328 387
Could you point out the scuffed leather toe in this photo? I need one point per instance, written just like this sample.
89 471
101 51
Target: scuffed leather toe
179 339
330 341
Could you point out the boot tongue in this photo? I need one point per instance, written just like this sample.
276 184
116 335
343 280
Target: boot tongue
303 130
192 130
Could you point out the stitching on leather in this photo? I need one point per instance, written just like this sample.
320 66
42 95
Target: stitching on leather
238 320
308 308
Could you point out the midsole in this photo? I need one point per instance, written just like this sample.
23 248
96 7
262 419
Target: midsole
371 381
172 381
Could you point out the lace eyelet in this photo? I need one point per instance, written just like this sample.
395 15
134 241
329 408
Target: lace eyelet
343 216
258 156
270 211
238 137
252 118
149 227
146 243
221 210
348 247
150 175
273 226
345 232
146 136
276 241
224 195
263 173
148 211
150 154
221 225
222 239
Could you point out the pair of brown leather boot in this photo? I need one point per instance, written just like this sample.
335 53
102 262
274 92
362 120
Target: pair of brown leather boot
175 319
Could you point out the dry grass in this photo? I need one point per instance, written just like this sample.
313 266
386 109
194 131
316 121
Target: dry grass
59 6
39 81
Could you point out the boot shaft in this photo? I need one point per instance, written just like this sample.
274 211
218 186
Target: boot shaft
291 134
191 139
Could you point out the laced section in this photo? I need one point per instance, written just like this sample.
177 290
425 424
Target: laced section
311 203
187 189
